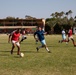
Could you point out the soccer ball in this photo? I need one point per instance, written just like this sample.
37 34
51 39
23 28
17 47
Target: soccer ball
21 54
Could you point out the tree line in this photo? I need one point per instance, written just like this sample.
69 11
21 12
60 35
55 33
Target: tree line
60 20
57 22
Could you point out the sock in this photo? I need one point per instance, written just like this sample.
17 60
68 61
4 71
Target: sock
47 48
39 47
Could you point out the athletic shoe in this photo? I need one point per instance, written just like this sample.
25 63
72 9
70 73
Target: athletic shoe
18 53
59 41
11 51
37 49
49 52
74 45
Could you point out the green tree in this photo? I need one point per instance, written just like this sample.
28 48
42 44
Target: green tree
71 21
67 14
70 13
62 14
53 15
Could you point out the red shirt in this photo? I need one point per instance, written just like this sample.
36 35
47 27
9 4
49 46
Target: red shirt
15 36
70 33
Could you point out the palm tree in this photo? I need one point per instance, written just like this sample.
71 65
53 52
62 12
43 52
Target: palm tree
70 13
56 14
59 15
67 14
75 17
53 15
29 17
62 14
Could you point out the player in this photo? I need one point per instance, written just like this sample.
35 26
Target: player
40 34
14 37
23 35
63 37
70 37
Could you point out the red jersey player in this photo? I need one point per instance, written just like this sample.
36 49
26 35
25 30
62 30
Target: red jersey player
70 37
14 37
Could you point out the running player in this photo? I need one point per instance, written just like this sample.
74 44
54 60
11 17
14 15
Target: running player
23 36
70 37
14 38
40 34
63 37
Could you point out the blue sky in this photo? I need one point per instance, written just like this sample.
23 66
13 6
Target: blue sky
35 8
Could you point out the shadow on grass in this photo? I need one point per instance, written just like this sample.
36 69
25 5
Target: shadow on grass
29 51
17 56
4 51
3 42
61 46
4 55
20 51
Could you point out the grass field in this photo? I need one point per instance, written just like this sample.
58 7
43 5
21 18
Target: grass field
62 60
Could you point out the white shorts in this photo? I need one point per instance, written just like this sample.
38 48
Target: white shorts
23 36
63 37
43 42
15 42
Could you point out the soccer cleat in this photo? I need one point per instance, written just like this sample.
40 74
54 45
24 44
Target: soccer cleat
11 51
37 49
49 52
74 45
59 41
18 53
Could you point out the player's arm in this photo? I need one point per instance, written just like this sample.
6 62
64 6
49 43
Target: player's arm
34 35
44 32
10 35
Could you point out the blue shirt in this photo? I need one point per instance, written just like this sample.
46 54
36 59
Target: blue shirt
40 35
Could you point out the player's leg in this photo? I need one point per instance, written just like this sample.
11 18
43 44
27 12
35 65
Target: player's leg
13 46
23 38
36 41
47 48
43 45
64 39
40 46
71 38
60 41
18 47
73 42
